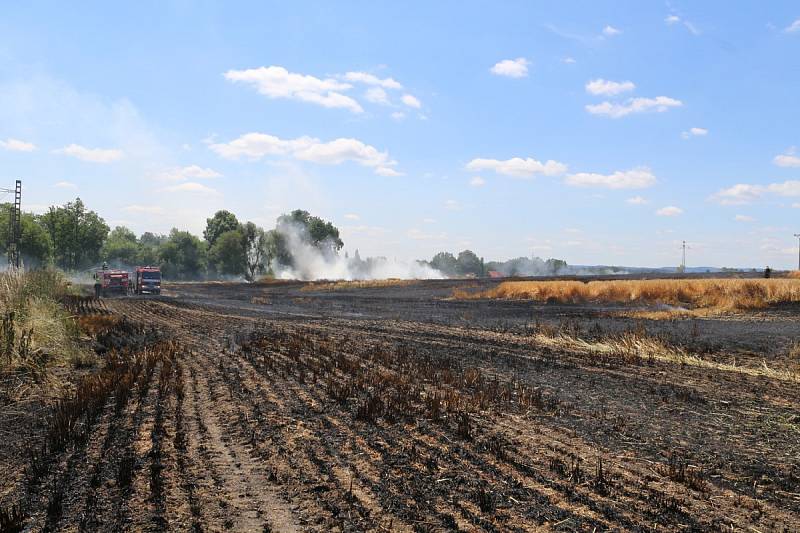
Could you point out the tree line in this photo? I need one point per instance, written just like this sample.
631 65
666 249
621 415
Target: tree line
74 238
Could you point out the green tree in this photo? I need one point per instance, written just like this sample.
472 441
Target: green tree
149 244
256 250
469 263
35 245
183 256
121 246
320 233
446 263
77 234
227 254
221 222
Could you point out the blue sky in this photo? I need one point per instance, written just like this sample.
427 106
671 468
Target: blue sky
597 132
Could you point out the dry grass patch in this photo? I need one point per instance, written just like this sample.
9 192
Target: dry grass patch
717 294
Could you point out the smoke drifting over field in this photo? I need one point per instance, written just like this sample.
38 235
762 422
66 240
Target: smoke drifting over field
304 260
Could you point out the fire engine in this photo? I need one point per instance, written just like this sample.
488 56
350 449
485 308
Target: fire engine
110 282
147 280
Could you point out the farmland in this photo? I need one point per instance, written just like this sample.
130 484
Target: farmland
290 406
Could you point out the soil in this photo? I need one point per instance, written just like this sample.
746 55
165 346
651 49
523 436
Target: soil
280 407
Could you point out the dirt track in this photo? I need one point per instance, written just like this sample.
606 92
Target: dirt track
275 409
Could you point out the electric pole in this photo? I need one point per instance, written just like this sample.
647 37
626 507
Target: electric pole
798 250
14 224
683 257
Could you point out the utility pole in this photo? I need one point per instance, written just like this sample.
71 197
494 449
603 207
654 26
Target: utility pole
14 224
683 257
798 250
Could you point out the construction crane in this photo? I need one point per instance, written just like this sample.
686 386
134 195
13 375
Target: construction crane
14 231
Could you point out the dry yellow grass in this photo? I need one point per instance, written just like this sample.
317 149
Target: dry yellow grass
717 294
357 284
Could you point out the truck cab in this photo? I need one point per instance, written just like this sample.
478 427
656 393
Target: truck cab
110 282
147 280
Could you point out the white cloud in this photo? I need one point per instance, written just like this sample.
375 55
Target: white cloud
258 145
190 172
453 205
144 209
609 88
411 101
352 216
694 132
518 167
636 178
741 193
371 79
744 218
192 187
787 159
672 19
610 31
65 185
659 104
637 200
429 220
15 145
793 27
398 115
669 211
93 155
477 181
419 235
511 68
569 60
277 82
377 95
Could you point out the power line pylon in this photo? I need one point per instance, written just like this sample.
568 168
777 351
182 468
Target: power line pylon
14 232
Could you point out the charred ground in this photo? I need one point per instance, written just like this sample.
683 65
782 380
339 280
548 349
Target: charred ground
289 407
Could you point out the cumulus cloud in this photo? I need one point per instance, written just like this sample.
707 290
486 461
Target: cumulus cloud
744 218
192 187
190 172
672 19
636 178
610 31
371 79
511 68
411 101
518 167
637 200
377 95
669 211
659 104
398 115
743 193
65 185
793 27
569 60
694 132
15 145
277 82
352 216
477 181
338 151
609 88
787 159
93 155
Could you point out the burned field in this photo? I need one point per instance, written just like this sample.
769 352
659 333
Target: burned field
289 407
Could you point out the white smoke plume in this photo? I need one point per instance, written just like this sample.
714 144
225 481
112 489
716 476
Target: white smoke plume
314 262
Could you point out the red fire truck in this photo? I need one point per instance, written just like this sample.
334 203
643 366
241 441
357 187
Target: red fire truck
110 281
147 280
